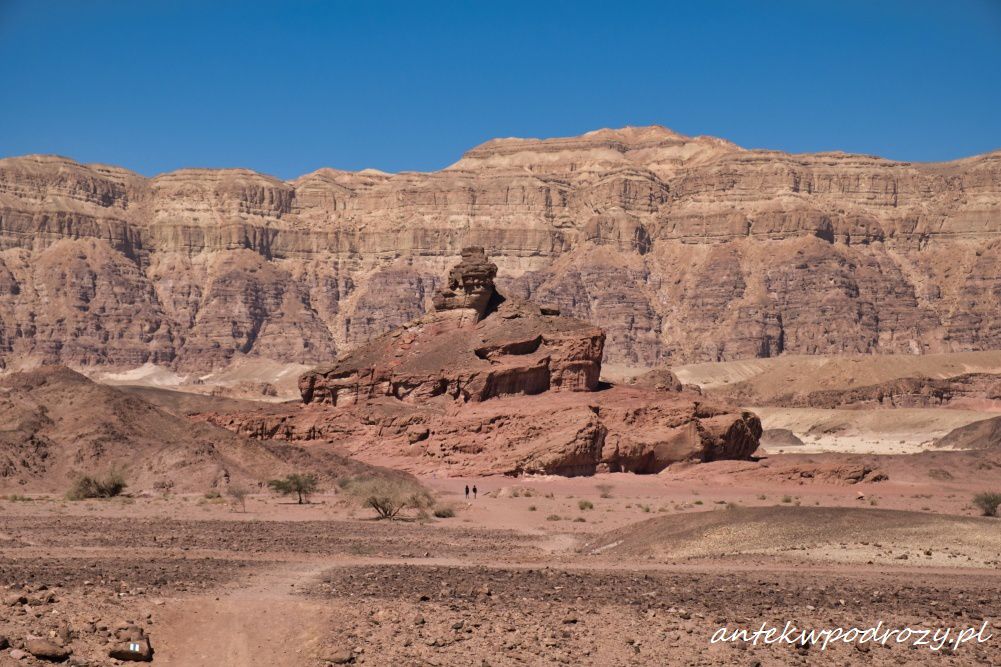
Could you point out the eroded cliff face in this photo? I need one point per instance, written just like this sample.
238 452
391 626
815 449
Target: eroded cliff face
680 248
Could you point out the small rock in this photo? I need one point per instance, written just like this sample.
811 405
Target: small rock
341 657
18 654
43 649
135 651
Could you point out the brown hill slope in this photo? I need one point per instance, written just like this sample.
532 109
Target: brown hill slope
681 248
821 533
984 434
58 425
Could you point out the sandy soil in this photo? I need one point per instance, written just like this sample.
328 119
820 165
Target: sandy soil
794 373
898 431
248 378
614 569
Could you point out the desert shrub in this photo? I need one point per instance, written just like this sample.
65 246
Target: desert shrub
580 519
605 490
212 495
109 486
787 499
238 495
585 505
389 497
553 517
299 484
532 508
988 502
446 512
698 502
940 474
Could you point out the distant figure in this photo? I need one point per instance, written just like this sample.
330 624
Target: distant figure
474 492
467 492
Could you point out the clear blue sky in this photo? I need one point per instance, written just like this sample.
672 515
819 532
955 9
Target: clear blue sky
287 87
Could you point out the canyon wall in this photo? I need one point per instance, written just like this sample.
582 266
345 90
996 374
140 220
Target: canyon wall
681 248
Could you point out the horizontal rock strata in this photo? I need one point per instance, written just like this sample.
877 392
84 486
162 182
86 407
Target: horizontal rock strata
680 248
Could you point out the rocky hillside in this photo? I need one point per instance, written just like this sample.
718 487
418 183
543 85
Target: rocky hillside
680 248
60 425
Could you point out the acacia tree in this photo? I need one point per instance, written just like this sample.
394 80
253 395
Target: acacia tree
389 497
299 484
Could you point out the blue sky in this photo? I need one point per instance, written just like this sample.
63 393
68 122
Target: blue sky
288 87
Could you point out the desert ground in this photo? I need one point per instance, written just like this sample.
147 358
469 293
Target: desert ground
520 575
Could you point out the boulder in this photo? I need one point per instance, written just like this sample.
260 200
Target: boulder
43 649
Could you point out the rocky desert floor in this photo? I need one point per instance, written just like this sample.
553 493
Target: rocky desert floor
612 569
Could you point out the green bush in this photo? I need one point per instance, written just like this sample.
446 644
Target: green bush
300 485
109 486
988 502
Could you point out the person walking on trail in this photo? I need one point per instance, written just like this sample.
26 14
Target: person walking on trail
474 492
467 492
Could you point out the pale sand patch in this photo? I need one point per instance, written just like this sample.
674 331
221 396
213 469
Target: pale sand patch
898 431
793 373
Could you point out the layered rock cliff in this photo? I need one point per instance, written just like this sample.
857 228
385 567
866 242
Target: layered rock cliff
680 248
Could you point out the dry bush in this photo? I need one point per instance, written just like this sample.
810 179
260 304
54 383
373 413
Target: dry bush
109 486
988 502
605 490
585 505
238 494
389 497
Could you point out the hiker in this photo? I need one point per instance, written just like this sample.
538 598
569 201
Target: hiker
474 492
467 492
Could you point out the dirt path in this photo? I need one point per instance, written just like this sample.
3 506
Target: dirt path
260 623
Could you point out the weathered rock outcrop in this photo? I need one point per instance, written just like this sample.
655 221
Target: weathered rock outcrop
486 384
680 248
475 345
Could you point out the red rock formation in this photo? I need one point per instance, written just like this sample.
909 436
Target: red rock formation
475 345
492 385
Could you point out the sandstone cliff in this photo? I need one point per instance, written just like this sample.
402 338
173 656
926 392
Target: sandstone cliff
680 248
